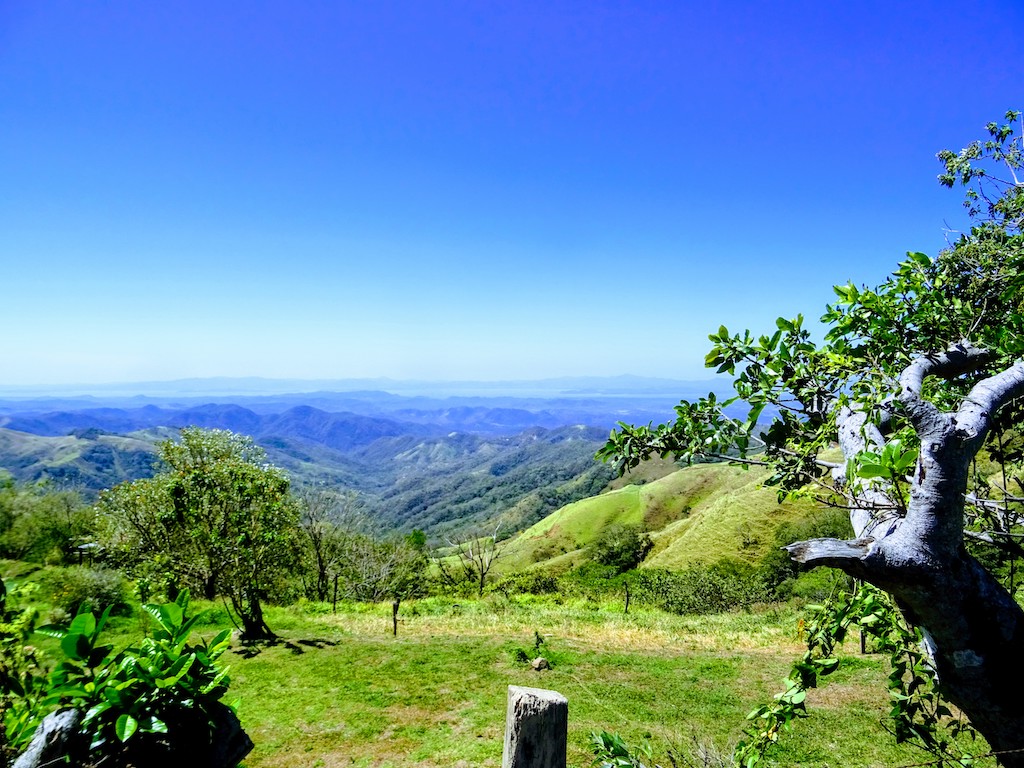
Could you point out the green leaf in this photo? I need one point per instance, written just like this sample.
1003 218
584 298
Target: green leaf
170 616
83 624
868 471
95 712
125 726
76 647
103 620
52 630
827 665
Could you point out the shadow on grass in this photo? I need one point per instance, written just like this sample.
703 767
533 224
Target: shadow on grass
253 648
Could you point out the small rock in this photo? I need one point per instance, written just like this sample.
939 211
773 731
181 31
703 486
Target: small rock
52 740
540 663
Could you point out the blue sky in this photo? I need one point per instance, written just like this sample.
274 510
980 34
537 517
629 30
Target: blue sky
449 190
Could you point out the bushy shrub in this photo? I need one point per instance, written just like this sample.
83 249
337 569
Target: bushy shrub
623 547
157 703
702 589
42 525
812 586
777 568
592 581
78 588
528 583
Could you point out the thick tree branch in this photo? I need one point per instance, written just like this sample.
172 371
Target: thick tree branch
872 513
958 359
849 556
974 418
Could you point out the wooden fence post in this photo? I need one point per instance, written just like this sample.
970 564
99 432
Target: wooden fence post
536 725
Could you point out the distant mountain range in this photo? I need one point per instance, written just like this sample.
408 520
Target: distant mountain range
437 462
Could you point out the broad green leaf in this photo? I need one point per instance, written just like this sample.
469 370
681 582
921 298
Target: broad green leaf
125 726
76 646
83 624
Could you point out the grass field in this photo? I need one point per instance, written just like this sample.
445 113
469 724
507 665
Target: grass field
340 690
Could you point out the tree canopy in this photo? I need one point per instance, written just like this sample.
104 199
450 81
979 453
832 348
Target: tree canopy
908 414
219 519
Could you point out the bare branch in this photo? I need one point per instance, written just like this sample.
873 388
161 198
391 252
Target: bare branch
1005 542
848 556
974 418
992 504
957 360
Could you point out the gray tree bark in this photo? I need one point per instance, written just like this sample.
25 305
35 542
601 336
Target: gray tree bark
974 628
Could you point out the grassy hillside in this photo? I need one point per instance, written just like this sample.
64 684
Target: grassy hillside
699 514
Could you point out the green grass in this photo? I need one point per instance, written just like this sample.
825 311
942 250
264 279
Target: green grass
340 690
696 515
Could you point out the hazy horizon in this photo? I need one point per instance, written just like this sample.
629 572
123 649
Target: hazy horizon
458 191
257 386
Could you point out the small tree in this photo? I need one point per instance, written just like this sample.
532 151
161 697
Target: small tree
373 570
474 556
219 516
39 523
326 519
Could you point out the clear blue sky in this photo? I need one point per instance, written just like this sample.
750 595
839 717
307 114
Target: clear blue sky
449 190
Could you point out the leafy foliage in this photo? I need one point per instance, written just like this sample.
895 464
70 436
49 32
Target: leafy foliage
610 751
148 697
621 546
918 712
20 678
219 518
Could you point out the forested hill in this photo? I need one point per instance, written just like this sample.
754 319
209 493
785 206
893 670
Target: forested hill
468 466
429 455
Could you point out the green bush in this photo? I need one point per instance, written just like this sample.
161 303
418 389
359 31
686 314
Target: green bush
777 568
528 583
143 703
622 547
610 751
42 525
701 590
78 588
591 580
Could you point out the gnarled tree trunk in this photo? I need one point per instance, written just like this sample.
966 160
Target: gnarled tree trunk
973 628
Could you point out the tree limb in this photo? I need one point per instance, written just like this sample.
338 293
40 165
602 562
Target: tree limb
1007 545
974 418
961 358
848 556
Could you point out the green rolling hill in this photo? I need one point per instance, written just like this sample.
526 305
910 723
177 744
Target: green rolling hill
700 514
